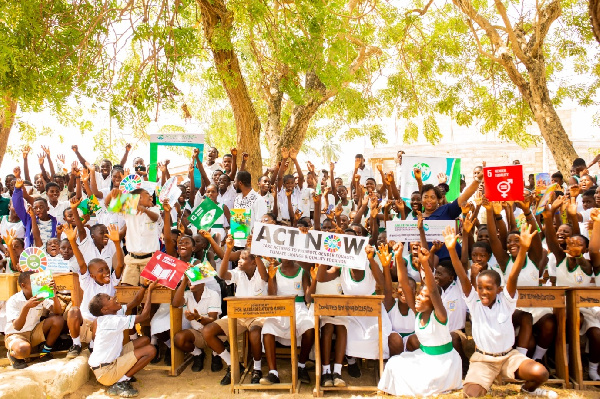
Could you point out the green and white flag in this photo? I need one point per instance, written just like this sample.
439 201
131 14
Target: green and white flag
205 215
430 168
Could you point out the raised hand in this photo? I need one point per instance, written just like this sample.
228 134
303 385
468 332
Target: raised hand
424 256
385 257
437 245
486 204
595 214
285 153
380 167
450 237
418 174
398 249
574 248
41 158
9 237
497 207
465 207
195 153
25 151
113 233
70 233
331 167
419 220
162 167
18 183
574 191
47 151
234 151
293 153
74 202
357 162
62 158
17 172
75 168
442 178
128 147
245 157
91 167
527 234
85 175
468 223
370 251
205 234
310 167
75 148
229 242
272 270
313 272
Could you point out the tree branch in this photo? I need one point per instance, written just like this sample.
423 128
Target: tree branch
547 15
514 40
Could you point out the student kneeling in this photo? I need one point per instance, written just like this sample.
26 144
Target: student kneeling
112 363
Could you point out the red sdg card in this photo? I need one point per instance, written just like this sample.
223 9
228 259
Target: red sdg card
166 269
504 183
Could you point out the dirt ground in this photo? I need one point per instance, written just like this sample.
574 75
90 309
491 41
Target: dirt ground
156 384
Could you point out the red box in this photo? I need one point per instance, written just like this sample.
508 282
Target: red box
504 183
166 269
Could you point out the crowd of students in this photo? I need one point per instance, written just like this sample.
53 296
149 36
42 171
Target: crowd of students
474 273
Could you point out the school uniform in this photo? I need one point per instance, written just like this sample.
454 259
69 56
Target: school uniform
57 211
403 325
103 183
332 287
6 226
90 251
90 289
270 201
432 369
306 204
257 206
493 333
227 198
456 309
528 277
32 331
282 203
142 241
210 302
245 287
110 359
363 331
280 326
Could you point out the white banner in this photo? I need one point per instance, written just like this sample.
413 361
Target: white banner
315 247
430 168
407 231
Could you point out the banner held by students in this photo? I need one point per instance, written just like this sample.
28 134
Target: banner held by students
430 168
315 247
240 223
503 183
407 231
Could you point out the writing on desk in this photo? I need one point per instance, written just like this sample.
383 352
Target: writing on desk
589 300
353 308
258 309
537 297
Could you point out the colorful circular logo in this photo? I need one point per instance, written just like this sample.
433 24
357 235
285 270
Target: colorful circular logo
332 243
33 259
130 183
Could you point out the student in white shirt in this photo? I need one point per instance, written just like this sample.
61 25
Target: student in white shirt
361 169
247 198
112 362
24 330
287 189
250 278
56 207
142 235
491 308
203 307
97 245
95 278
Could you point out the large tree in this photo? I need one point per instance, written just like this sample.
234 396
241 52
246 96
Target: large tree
281 61
494 63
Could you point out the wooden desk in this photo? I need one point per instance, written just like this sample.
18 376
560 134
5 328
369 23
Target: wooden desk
179 361
345 305
551 297
8 285
69 282
582 297
263 306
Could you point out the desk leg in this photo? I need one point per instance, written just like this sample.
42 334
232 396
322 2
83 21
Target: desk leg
574 339
562 368
177 355
294 353
380 322
233 345
318 368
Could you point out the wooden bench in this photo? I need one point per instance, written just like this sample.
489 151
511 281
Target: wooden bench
551 297
8 285
345 305
263 306
179 360
582 297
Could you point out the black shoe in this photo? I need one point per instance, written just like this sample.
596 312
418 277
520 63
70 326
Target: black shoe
226 380
216 364
132 379
354 370
168 357
326 380
122 389
74 351
270 379
157 357
44 357
337 380
303 375
17 364
198 362
256 376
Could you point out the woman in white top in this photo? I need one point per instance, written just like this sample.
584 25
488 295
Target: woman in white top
435 367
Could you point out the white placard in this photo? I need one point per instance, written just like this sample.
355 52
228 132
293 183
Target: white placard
57 265
407 231
315 247
170 191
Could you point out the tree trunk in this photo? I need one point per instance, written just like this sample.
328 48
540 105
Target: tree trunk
295 129
595 18
547 118
8 111
273 129
217 22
